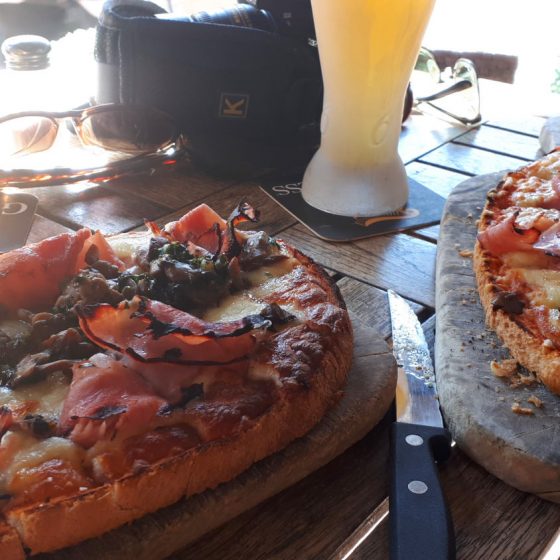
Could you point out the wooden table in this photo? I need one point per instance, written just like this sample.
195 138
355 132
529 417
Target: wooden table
340 511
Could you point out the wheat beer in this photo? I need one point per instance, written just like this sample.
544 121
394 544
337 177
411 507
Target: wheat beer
367 50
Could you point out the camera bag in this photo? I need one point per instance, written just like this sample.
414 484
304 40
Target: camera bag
246 99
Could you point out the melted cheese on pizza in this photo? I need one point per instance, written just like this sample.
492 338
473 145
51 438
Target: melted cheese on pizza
21 452
264 282
545 286
44 397
539 186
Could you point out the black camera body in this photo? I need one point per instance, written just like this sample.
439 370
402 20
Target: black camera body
244 85
292 18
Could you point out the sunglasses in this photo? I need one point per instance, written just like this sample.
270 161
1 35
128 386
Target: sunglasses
454 92
129 129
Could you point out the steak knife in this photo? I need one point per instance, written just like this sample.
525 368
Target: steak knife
420 522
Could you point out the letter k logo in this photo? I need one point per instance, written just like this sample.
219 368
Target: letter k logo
234 105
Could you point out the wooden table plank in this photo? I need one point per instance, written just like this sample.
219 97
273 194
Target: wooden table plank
429 233
95 207
440 180
383 261
273 218
471 161
172 187
525 124
308 520
498 140
422 133
370 304
492 520
43 228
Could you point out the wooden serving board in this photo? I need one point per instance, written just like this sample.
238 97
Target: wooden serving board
523 451
367 397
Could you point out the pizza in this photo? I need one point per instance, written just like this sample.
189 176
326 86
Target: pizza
148 366
517 265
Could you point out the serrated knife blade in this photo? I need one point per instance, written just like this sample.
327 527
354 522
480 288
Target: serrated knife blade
421 525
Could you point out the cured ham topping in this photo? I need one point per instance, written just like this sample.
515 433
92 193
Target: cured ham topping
45 264
107 399
504 237
203 227
151 331
198 226
97 250
549 241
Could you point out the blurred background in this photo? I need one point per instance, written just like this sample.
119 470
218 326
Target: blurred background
512 41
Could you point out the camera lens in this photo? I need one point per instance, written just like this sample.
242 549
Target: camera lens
240 16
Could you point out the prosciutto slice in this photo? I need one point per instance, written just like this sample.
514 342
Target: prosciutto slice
151 331
31 276
504 237
105 252
205 228
106 400
549 241
198 226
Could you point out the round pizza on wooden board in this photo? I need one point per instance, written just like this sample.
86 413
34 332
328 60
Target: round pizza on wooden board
145 367
501 413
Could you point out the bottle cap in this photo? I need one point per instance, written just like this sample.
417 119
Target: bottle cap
26 52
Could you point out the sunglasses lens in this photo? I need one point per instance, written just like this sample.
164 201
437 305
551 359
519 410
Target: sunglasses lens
463 104
26 135
426 72
129 129
469 98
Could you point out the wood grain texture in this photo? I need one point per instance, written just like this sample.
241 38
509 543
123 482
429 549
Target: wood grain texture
366 399
43 228
308 520
429 233
422 133
498 140
492 520
442 181
526 124
96 207
370 304
174 187
469 160
386 261
521 450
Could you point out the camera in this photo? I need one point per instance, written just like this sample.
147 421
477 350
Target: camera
292 18
243 84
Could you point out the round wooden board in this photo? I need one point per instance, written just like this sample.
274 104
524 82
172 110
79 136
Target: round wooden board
367 397
523 451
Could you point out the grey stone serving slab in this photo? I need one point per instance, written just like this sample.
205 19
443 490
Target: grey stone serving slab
523 451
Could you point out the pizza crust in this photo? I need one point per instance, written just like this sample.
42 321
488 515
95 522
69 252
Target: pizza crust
527 345
528 349
305 396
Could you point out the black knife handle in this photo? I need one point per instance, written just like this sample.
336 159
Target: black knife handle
421 525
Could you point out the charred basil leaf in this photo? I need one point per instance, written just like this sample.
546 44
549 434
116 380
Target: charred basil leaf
39 426
187 395
509 302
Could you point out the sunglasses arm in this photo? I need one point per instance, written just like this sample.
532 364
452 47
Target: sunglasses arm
461 85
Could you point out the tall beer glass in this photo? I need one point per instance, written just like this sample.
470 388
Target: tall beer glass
367 50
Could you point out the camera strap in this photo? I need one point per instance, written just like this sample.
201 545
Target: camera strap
245 98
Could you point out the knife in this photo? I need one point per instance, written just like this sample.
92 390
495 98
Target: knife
420 522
